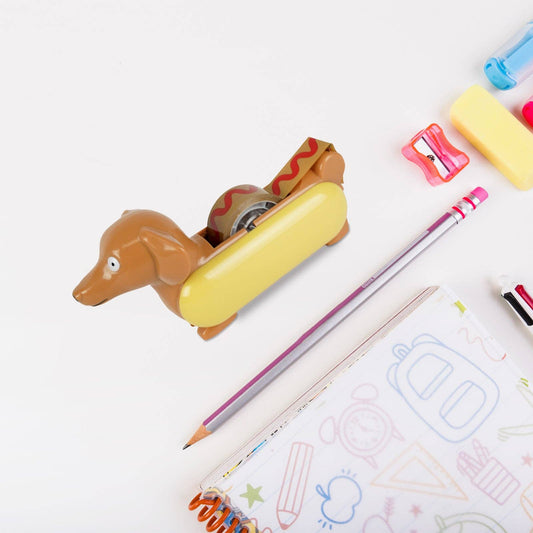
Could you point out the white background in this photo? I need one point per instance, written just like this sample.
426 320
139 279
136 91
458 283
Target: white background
106 106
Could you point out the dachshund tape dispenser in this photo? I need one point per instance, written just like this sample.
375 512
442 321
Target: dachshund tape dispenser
254 236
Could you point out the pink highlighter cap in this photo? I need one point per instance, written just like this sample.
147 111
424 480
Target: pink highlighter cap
528 112
480 193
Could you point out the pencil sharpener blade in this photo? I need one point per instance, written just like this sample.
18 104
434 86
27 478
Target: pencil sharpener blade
435 155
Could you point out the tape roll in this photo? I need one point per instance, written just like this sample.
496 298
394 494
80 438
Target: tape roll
236 209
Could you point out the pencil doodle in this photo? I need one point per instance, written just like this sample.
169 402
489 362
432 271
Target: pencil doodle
487 473
294 484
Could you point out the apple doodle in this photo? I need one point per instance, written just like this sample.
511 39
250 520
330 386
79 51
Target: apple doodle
342 496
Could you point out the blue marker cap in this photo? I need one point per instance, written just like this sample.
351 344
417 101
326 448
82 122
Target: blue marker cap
498 74
512 63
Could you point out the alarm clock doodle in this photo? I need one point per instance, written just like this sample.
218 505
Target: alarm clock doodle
364 429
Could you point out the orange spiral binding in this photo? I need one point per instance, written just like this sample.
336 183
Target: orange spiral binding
214 522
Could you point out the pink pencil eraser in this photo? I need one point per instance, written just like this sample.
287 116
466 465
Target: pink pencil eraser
528 112
480 193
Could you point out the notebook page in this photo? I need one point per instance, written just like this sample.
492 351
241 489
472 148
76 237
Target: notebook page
431 431
253 445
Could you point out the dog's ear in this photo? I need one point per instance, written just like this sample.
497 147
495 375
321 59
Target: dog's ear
171 259
125 212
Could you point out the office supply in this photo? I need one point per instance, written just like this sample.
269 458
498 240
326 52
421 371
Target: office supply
435 377
527 111
253 238
496 133
441 226
439 160
513 62
521 302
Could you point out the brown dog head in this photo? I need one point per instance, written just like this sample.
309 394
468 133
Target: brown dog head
141 248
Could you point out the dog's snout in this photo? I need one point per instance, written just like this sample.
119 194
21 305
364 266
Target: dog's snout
86 292
94 289
78 293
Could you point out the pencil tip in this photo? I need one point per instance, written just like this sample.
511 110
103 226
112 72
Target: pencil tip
200 434
186 446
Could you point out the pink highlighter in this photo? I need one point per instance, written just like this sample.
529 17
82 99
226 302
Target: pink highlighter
527 111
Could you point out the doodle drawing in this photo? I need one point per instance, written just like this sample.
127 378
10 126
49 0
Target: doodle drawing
294 483
495 356
253 522
252 495
487 474
515 431
341 497
460 306
364 429
525 391
415 470
446 390
526 499
415 509
380 524
468 523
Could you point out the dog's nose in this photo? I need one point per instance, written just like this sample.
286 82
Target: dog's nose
76 293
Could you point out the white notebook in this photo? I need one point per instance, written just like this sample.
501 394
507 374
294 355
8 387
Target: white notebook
426 427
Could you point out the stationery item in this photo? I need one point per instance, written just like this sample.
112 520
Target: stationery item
527 111
447 221
425 402
496 133
520 300
253 238
439 160
513 62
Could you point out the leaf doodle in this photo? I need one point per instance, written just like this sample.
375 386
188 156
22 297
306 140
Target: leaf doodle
389 508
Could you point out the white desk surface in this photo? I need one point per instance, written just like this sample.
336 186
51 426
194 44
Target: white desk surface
164 105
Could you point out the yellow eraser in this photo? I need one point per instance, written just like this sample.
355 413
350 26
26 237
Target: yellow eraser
496 133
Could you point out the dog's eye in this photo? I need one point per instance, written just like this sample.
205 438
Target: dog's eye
113 264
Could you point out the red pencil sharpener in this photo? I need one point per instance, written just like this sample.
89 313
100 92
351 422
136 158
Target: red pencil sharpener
439 160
